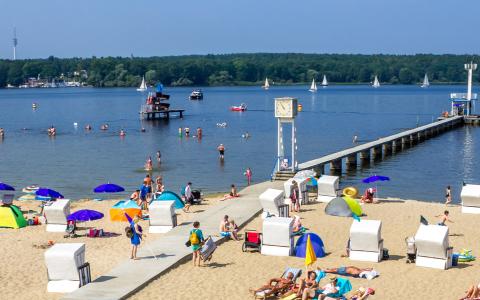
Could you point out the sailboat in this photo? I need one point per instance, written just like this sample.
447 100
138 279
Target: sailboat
324 81
376 83
266 86
313 87
143 87
425 82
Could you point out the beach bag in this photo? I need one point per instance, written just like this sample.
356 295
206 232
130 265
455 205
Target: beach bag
128 232
194 238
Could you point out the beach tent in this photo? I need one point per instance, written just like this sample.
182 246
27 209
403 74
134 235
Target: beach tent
317 243
171 196
118 211
343 207
11 217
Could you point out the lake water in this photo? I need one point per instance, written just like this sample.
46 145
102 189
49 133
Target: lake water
75 161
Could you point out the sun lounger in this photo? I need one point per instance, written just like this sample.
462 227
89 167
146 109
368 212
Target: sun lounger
162 216
277 236
470 196
273 203
433 249
56 215
207 249
366 243
328 188
63 262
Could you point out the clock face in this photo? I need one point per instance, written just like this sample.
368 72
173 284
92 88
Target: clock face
283 109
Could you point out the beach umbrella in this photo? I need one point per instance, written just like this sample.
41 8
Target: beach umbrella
44 192
310 256
6 187
85 215
375 178
108 188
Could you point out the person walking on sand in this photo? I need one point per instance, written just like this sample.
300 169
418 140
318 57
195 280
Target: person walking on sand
188 197
448 195
135 237
221 151
444 218
248 174
196 239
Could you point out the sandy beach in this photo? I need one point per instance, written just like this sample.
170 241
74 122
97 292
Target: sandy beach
22 259
232 272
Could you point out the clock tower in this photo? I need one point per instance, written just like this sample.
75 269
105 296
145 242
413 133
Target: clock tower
286 109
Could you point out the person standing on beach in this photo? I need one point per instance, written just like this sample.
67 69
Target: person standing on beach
294 197
135 237
221 151
248 174
448 195
196 239
188 197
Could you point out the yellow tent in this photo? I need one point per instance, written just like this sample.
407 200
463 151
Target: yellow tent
11 217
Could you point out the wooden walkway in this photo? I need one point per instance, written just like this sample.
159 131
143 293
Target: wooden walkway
386 144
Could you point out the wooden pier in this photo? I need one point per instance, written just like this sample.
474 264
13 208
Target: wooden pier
161 114
382 147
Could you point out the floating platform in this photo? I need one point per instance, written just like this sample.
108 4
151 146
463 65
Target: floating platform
161 114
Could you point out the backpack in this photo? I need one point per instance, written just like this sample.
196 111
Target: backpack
194 238
128 232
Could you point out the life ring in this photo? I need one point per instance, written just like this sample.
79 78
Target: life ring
350 191
300 107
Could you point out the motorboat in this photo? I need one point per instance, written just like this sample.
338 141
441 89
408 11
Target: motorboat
241 107
196 95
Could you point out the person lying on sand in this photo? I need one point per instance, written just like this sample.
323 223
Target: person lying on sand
362 293
472 293
369 273
275 285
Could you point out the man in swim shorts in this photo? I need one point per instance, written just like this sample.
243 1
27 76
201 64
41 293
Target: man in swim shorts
221 151
223 228
347 271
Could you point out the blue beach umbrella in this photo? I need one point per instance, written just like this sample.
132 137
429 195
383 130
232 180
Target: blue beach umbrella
108 188
85 215
44 192
6 187
375 178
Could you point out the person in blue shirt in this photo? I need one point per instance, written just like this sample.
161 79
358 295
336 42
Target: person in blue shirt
143 195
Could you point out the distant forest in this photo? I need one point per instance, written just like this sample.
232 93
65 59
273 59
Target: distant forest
239 69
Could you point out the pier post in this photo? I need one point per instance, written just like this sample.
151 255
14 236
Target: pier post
397 145
319 169
387 148
365 157
336 166
351 162
427 134
414 139
377 152
406 142
420 136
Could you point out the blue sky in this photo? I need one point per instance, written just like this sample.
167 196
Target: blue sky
157 28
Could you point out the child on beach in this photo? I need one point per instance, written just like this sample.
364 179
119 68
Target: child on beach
196 240
444 218
234 229
448 195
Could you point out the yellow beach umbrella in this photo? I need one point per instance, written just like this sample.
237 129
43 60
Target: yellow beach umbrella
310 256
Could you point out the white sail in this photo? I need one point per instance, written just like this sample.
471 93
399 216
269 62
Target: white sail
143 85
266 85
313 87
324 81
376 83
426 83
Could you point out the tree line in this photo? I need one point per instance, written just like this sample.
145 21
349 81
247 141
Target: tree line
240 69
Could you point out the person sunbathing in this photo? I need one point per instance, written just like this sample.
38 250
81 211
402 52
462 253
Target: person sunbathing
347 271
472 293
275 285
326 290
309 282
362 293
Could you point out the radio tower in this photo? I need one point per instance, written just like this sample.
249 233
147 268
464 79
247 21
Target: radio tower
15 43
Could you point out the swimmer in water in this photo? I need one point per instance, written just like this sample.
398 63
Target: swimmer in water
51 131
187 132
104 127
2 132
88 127
180 131
199 132
221 151
355 139
149 164
159 157
143 129
246 135
122 132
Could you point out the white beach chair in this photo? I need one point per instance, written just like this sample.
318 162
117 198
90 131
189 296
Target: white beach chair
328 188
63 261
470 196
273 203
433 250
56 215
277 236
366 243
162 216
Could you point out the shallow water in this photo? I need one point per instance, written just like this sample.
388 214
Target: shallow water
75 161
